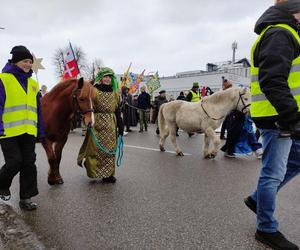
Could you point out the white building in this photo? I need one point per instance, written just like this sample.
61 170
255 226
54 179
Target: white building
238 73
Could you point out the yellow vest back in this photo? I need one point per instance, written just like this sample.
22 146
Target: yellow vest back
260 106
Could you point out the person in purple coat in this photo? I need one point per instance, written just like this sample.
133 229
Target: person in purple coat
21 124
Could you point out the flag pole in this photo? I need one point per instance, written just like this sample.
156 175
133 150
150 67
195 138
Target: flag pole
74 57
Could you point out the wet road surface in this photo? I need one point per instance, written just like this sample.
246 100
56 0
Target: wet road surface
160 200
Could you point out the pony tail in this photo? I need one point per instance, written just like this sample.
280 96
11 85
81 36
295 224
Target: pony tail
162 122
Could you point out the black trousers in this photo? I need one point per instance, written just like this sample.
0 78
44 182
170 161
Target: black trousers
234 126
224 126
19 155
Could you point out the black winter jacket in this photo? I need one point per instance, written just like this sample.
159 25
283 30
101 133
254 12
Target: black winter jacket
274 55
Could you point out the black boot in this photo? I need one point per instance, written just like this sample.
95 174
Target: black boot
157 131
110 179
275 240
27 204
250 203
5 194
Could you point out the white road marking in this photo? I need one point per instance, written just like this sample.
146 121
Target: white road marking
153 149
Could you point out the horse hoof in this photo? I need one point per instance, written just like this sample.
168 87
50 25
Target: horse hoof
162 149
55 182
180 154
209 156
212 156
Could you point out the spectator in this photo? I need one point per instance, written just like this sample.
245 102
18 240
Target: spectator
159 100
193 95
143 105
181 96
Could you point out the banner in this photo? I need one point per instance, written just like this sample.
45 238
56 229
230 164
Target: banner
153 84
135 86
125 79
70 64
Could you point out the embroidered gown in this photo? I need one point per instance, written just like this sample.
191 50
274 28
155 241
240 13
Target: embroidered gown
107 116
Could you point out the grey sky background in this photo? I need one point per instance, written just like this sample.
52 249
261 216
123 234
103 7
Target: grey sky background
165 35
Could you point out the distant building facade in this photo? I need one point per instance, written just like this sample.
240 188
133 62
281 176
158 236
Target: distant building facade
238 73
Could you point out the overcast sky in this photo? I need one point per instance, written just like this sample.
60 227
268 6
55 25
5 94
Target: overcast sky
165 35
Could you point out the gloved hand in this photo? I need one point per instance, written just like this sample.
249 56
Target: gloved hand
284 132
41 140
295 130
289 131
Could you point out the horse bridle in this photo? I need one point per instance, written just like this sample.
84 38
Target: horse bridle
240 98
76 104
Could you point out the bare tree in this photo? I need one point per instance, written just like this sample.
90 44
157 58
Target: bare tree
91 69
58 61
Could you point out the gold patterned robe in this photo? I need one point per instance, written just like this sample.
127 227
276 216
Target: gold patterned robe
97 163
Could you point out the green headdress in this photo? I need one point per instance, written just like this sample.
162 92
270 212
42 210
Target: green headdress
105 71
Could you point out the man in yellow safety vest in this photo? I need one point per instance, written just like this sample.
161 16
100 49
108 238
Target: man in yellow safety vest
194 95
275 90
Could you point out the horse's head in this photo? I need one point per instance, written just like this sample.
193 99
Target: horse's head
244 100
83 97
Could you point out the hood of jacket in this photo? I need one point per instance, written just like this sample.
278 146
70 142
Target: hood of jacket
275 15
16 71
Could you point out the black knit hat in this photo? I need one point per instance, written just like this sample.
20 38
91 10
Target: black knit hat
20 53
291 6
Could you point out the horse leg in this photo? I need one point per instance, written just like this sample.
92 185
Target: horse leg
163 137
206 145
212 137
52 176
54 157
173 129
58 151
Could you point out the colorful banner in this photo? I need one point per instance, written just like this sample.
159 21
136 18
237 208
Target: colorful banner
125 79
135 86
153 83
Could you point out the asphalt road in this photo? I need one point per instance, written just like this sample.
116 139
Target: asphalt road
160 201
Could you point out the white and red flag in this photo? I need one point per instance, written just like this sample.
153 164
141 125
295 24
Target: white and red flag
70 64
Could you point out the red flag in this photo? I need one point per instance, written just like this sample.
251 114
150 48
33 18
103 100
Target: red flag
70 64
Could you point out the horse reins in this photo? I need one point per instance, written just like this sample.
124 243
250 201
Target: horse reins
240 98
216 119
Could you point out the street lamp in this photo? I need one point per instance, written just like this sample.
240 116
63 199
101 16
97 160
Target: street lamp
234 48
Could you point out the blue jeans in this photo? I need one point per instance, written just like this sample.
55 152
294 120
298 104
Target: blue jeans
280 163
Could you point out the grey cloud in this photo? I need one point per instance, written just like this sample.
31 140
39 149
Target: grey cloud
164 35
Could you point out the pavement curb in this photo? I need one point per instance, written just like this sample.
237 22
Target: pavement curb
15 234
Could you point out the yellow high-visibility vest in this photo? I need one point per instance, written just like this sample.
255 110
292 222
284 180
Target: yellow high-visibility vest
195 96
260 106
20 108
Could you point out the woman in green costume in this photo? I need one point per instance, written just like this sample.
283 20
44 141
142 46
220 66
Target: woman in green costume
97 153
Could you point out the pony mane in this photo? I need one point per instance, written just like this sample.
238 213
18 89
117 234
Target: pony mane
222 95
62 86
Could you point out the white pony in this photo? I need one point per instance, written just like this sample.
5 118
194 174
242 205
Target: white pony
204 116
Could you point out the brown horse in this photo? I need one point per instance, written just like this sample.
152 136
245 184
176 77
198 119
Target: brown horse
59 107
